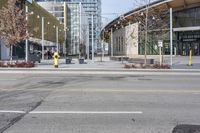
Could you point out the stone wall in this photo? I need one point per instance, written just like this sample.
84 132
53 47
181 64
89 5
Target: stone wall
131 40
125 41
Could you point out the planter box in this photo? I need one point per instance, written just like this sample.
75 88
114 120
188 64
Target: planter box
81 61
140 61
68 60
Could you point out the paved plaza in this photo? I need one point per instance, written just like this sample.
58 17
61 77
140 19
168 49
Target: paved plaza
179 62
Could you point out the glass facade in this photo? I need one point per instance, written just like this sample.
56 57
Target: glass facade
187 39
55 8
73 23
188 20
90 7
77 24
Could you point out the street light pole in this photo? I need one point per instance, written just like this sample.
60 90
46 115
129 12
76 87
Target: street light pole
26 56
57 39
80 30
171 37
65 29
42 38
92 38
146 34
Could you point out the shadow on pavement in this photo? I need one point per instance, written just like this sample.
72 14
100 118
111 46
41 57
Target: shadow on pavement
186 129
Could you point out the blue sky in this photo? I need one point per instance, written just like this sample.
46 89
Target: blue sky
119 7
115 6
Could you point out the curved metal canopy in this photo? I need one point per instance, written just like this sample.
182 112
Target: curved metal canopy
157 6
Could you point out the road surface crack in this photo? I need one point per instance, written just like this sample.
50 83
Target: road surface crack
18 118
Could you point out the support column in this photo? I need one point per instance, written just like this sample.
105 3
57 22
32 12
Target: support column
146 33
111 41
92 38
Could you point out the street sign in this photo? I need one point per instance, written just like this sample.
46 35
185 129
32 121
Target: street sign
160 43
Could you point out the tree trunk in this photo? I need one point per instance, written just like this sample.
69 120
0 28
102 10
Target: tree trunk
11 53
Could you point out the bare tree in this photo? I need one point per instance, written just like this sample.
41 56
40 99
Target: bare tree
13 24
154 22
84 40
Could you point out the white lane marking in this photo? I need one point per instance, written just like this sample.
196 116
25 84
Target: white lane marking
8 79
134 90
104 73
72 112
11 111
86 112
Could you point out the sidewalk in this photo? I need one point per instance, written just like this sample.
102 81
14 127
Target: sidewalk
180 64
97 64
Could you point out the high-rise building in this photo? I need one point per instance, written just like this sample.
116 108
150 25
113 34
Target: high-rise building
91 7
76 22
78 29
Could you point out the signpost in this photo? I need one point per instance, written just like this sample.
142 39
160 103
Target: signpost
160 45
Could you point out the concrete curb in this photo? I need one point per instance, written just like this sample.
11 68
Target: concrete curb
99 69
138 73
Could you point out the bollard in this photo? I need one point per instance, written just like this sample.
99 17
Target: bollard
190 58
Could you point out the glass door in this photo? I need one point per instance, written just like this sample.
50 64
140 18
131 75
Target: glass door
195 49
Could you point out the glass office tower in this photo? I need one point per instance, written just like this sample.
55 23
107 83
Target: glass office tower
91 7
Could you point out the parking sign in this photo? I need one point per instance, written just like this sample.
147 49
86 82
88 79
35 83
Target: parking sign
160 43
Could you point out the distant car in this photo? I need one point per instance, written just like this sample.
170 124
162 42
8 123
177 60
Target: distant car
34 57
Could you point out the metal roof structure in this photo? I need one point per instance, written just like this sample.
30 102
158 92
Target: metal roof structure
155 7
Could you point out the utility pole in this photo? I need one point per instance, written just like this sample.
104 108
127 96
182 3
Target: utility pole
146 34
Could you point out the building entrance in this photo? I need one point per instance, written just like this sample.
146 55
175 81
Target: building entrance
187 40
195 46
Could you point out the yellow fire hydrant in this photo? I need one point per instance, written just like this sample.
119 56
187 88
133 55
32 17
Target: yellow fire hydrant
56 57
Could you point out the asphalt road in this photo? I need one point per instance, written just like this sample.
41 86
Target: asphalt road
64 103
